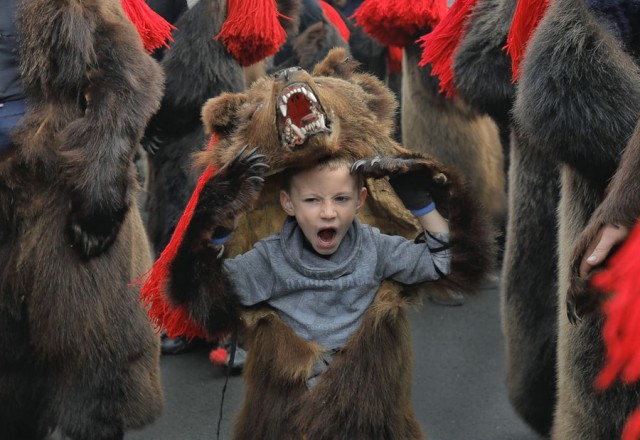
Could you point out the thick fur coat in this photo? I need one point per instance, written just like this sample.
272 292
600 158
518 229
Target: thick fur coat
77 352
365 392
577 103
453 133
529 269
196 67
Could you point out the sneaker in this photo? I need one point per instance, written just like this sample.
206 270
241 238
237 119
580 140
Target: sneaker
178 345
449 298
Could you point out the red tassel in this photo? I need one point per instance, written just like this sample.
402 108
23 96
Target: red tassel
336 19
525 21
440 44
396 22
395 59
632 428
218 357
154 30
621 330
174 319
252 31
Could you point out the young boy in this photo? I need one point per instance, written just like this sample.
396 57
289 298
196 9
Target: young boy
322 304
322 270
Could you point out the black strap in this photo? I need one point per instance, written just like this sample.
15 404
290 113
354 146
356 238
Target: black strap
232 356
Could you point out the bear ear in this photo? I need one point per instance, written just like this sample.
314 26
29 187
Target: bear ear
219 113
336 63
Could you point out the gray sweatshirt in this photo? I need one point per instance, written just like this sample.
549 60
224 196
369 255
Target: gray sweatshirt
324 299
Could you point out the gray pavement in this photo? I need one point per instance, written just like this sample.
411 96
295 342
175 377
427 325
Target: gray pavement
458 392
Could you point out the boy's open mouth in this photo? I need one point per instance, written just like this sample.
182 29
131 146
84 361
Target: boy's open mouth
327 235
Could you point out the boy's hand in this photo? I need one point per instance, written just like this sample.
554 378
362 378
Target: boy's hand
410 189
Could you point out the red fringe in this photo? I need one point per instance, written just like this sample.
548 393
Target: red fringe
336 19
632 428
396 22
621 330
175 319
526 18
252 31
395 59
440 44
154 30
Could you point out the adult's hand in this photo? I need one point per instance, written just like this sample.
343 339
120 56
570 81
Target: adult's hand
608 236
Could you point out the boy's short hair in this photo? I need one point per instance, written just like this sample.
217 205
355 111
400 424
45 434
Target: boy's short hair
329 162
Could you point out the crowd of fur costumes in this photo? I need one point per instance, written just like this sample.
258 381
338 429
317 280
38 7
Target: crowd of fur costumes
357 112
570 115
77 352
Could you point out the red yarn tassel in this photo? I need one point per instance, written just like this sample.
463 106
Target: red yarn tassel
396 22
525 21
440 44
395 59
632 427
621 330
154 30
336 19
174 319
252 31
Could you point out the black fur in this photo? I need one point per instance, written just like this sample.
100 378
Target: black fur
577 103
197 67
197 276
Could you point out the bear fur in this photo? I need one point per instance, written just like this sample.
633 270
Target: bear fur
357 113
453 133
196 67
77 352
577 103
528 288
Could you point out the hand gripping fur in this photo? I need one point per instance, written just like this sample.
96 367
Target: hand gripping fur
197 278
471 238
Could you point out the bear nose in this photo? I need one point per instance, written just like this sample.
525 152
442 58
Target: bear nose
285 74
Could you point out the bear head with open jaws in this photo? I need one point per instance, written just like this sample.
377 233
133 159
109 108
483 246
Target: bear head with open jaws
295 118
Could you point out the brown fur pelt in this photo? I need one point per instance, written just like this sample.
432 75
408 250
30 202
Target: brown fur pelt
621 206
577 103
77 352
368 383
364 394
454 134
528 288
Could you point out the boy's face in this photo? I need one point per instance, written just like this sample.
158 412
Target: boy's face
324 202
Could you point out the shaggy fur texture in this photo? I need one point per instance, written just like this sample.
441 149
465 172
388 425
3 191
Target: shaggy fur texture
197 67
481 65
529 273
621 206
359 120
483 68
312 45
577 103
77 352
453 133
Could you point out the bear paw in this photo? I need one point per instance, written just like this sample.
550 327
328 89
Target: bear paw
92 232
378 167
233 189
